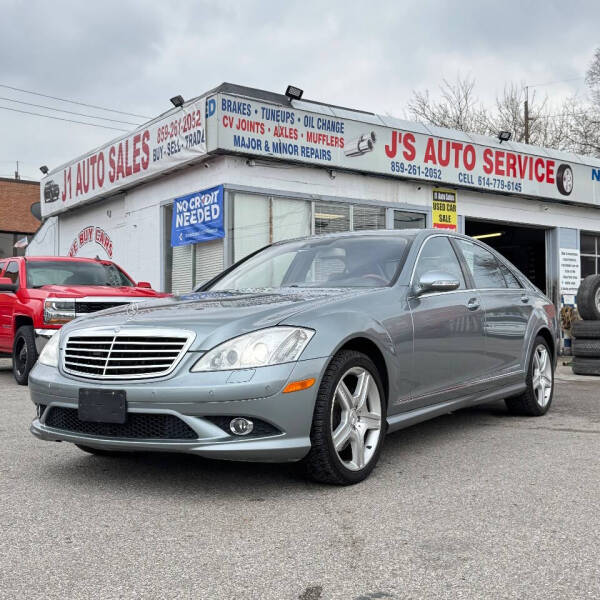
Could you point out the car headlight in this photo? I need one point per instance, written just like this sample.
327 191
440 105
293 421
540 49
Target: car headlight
58 311
260 348
49 354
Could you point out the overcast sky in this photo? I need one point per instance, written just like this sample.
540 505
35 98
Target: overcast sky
133 56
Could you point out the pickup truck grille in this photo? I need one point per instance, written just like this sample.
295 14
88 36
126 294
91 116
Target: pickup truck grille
86 307
124 355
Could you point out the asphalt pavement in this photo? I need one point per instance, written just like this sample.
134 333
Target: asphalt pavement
476 504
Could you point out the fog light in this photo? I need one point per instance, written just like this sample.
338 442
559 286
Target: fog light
241 426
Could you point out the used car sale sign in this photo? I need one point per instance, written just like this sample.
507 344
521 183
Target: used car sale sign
153 148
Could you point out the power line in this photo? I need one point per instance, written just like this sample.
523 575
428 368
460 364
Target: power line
27 112
16 89
554 82
70 112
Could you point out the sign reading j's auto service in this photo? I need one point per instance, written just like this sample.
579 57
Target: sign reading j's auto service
153 148
443 209
375 146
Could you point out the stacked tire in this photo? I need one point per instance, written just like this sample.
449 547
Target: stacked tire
586 333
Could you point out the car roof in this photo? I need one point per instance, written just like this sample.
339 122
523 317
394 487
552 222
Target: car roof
58 258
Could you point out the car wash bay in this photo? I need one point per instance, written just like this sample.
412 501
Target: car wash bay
525 247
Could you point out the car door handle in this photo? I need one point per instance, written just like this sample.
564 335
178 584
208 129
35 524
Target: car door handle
524 299
473 304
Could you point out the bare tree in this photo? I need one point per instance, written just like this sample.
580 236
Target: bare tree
457 108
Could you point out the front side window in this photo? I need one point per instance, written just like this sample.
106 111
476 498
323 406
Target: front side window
511 281
12 271
438 255
41 273
338 262
483 266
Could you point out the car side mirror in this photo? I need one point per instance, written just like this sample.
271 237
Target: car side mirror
436 281
144 284
6 285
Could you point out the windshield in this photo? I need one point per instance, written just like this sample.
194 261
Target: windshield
346 261
59 272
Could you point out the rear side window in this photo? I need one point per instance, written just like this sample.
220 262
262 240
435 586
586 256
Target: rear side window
483 266
511 281
12 271
437 254
2 265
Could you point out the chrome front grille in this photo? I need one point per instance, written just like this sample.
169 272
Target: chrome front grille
125 354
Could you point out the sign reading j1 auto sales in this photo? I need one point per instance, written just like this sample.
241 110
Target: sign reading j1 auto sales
252 127
198 217
153 148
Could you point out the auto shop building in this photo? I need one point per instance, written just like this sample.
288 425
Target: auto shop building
226 173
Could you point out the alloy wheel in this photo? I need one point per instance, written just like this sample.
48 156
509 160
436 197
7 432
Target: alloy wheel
542 375
356 418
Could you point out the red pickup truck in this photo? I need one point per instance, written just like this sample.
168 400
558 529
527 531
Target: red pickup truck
40 294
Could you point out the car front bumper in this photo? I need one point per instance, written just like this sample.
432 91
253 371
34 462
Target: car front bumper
195 398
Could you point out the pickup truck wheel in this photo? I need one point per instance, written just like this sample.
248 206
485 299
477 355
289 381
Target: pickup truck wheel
24 353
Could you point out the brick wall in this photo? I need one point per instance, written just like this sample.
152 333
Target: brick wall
16 198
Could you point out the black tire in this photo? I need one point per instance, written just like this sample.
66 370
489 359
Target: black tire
588 298
583 347
98 451
564 179
588 330
322 463
526 403
586 366
24 354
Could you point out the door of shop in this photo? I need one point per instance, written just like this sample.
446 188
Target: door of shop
524 247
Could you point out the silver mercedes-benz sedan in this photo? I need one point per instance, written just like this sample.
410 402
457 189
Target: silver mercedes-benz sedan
309 350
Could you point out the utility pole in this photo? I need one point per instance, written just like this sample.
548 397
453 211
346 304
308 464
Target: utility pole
526 115
17 176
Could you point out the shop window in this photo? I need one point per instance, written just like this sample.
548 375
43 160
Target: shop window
261 220
590 254
331 217
368 217
408 220
251 231
291 219
188 266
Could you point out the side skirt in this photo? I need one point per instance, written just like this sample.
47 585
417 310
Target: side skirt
406 419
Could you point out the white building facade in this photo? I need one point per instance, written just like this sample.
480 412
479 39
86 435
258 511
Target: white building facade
282 168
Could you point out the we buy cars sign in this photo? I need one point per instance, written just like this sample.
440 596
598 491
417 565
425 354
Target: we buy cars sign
386 146
156 147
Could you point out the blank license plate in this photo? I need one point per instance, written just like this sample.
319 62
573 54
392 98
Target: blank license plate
102 406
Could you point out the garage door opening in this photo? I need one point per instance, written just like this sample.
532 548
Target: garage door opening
525 247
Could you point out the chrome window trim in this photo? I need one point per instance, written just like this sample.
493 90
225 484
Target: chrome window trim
127 332
412 274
